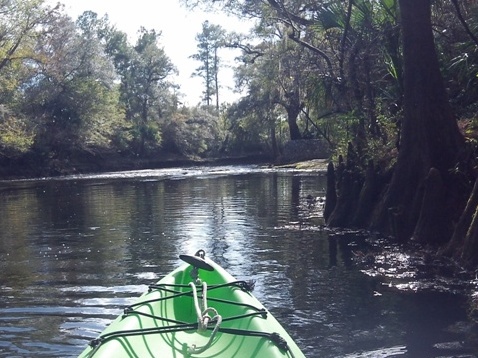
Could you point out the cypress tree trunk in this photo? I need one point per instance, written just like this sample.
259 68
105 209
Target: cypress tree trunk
432 225
464 242
430 136
368 196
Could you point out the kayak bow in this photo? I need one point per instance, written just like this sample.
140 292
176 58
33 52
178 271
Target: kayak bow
198 310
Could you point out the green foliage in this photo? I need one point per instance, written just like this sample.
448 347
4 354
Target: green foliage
21 24
383 147
251 121
459 55
332 69
16 137
79 86
71 95
341 130
144 90
105 121
193 133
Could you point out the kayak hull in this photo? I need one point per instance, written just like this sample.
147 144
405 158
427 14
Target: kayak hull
163 322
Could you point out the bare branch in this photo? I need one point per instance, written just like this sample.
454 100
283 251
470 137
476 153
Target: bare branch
313 49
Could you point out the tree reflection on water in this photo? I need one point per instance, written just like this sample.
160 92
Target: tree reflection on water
74 251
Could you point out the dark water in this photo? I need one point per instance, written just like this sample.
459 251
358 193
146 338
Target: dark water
74 251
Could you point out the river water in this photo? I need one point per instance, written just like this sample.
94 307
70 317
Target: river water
75 250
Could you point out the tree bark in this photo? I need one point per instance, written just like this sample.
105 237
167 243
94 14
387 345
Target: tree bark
433 224
368 197
470 249
292 114
274 145
457 243
430 137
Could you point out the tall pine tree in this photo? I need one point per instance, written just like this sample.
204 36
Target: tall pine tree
209 41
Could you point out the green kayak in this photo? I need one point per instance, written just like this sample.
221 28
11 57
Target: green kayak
198 310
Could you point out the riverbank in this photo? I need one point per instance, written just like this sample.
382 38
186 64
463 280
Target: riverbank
91 162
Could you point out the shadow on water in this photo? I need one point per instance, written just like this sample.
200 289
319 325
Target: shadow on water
74 251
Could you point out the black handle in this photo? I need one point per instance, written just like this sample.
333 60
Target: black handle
196 261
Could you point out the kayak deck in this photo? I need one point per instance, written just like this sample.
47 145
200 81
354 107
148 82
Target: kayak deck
184 315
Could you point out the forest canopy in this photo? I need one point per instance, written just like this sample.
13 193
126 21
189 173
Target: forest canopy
78 91
332 71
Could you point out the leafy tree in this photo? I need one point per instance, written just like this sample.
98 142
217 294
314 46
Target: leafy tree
279 68
291 90
71 94
253 126
145 91
16 135
22 23
209 41
193 133
270 74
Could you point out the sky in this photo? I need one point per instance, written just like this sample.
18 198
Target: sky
179 28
